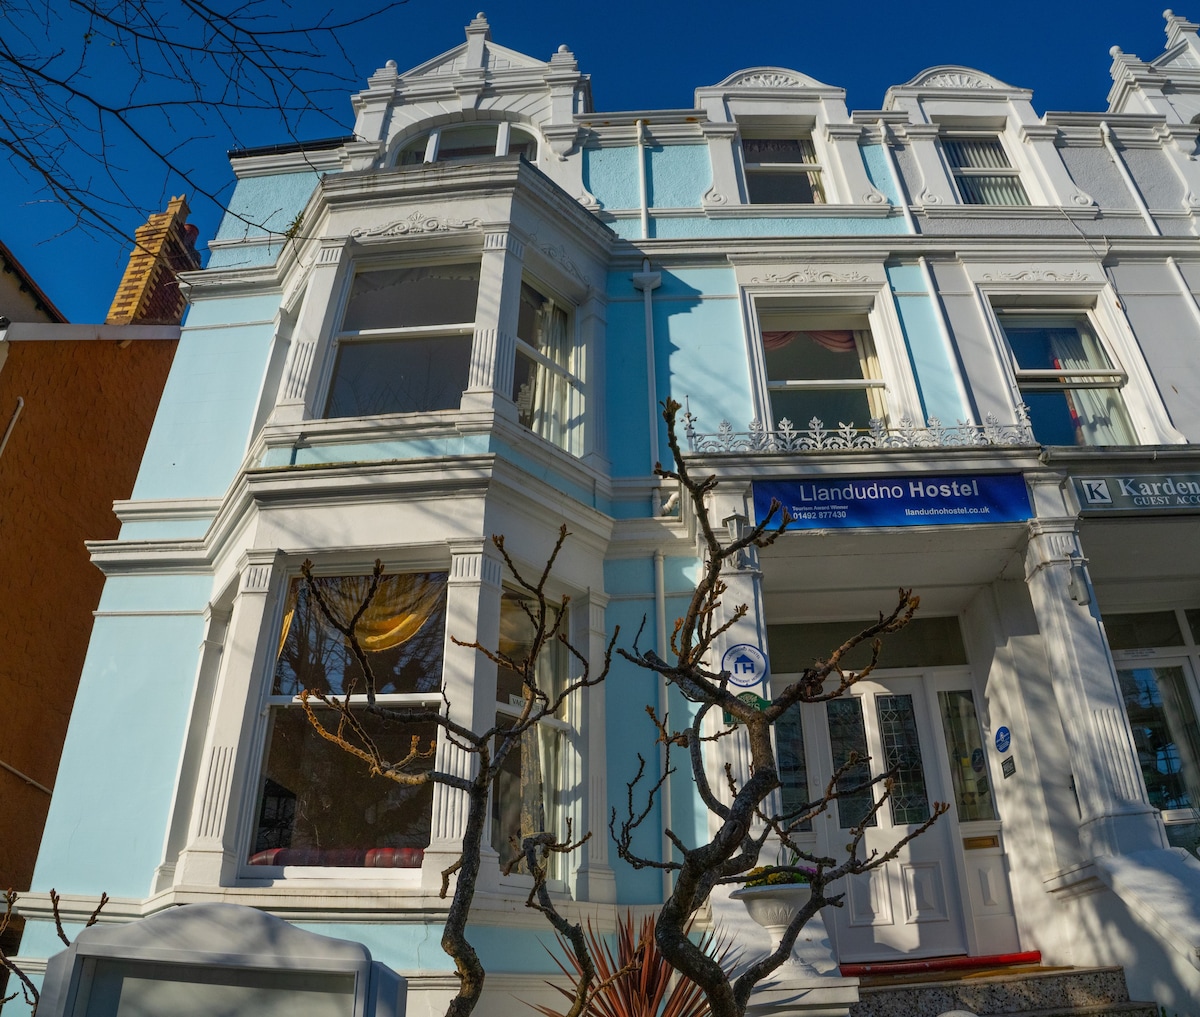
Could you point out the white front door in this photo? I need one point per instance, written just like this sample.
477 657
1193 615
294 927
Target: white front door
911 906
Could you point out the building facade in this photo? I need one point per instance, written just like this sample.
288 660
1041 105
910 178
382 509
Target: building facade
955 338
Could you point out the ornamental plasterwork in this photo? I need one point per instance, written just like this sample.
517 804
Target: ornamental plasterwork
767 79
807 275
418 222
1036 275
558 254
956 79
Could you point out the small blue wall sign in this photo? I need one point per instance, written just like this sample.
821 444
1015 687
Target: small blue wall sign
819 503
746 664
1003 739
977 760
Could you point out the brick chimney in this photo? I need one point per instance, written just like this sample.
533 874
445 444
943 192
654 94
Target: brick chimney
149 293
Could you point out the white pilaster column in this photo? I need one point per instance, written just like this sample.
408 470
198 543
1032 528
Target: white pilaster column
1178 143
235 733
936 187
594 880
1116 817
216 628
493 350
469 678
847 166
743 585
308 364
726 188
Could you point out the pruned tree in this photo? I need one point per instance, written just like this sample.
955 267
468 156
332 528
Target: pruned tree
745 822
101 100
489 749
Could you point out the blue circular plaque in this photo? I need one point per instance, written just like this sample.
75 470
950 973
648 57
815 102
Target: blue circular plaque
746 664
1003 739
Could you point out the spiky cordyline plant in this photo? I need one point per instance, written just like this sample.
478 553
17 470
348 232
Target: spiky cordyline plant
637 981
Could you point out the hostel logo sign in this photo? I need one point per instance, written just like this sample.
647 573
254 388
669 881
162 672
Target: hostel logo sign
916 500
1137 493
746 664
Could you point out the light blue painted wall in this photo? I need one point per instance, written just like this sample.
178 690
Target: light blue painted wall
932 365
244 256
611 176
262 205
700 353
678 175
165 529
875 160
109 813
202 428
416 947
378 451
700 227
628 692
155 593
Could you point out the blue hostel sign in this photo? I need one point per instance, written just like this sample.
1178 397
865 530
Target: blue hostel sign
818 503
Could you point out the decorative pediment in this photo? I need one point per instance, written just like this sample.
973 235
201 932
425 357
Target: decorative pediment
455 61
949 76
770 77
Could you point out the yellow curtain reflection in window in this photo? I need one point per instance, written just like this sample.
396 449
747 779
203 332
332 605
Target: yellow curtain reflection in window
401 606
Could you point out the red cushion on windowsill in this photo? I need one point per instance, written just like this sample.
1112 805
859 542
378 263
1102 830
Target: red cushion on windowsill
372 858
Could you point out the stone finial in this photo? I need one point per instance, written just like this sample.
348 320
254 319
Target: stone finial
1177 26
479 26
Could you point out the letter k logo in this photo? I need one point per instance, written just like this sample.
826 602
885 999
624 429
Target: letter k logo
1095 492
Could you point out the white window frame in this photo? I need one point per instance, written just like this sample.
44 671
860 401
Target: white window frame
573 375
1064 380
343 336
870 299
272 875
1188 656
1088 298
433 140
816 170
958 173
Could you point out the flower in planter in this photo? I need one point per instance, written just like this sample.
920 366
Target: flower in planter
800 876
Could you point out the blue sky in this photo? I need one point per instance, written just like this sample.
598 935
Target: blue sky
640 56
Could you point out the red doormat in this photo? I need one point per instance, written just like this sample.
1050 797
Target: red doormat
961 963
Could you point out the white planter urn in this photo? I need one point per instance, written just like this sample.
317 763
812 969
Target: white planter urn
773 907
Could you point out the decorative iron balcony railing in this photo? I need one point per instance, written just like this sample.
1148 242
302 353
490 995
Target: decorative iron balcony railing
847 437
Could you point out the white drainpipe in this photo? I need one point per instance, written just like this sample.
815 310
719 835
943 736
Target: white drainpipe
643 187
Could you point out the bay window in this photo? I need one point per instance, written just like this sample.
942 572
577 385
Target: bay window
1067 380
317 806
405 341
526 795
546 387
821 369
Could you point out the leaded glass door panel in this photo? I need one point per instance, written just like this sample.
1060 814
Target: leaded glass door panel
910 906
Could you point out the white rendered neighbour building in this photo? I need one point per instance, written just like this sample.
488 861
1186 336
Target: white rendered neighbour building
958 339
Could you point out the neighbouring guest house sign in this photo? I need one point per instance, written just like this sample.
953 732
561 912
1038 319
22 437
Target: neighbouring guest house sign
1137 493
818 503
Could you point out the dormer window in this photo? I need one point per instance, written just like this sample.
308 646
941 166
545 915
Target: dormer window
982 171
782 171
469 143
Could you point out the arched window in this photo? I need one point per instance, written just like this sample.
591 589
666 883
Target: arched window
469 143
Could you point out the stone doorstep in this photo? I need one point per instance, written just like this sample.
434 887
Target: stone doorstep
1074 991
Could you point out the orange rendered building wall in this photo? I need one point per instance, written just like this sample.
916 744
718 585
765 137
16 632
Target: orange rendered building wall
74 449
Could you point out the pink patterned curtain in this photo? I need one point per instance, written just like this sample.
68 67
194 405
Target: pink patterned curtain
835 340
